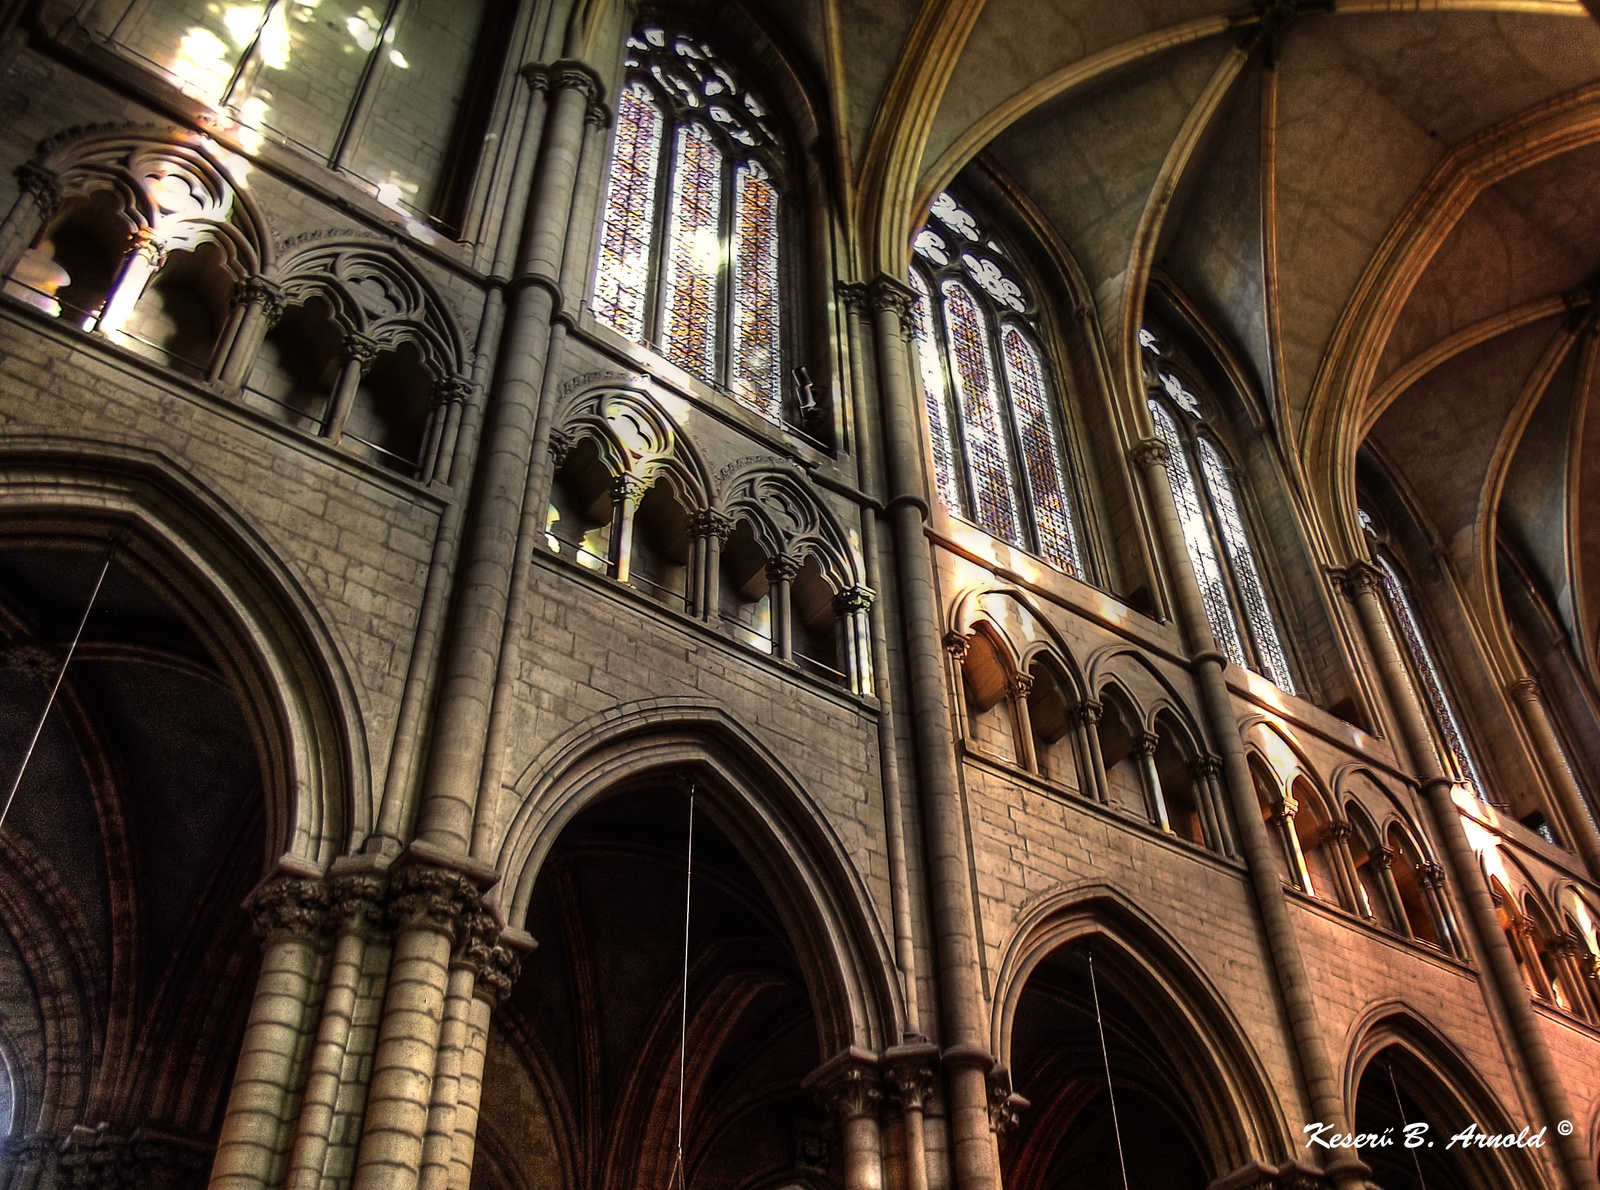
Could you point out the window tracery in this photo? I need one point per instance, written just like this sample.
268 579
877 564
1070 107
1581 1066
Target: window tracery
1220 547
999 451
691 229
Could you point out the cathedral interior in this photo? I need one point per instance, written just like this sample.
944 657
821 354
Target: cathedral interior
799 595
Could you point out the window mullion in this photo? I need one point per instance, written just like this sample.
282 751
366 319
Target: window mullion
1019 462
725 237
656 298
1219 546
952 403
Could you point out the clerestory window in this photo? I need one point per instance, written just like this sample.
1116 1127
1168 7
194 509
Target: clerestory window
1000 455
1443 710
1232 586
690 239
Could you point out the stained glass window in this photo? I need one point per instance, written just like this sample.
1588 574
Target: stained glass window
1444 714
1041 457
1258 613
703 282
1197 537
756 363
934 394
988 460
623 275
1002 438
694 252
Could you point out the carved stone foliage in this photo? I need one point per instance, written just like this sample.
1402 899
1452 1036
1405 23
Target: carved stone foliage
424 897
99 1159
288 906
373 293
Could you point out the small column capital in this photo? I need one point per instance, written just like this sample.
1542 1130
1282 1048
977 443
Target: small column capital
427 897
1431 875
1090 712
1524 690
629 488
356 903
857 298
707 522
43 184
449 390
1150 452
145 243
259 292
1361 579
358 349
849 1085
1147 744
782 569
908 1069
854 599
1005 1105
1020 686
288 906
956 644
1206 768
1340 832
890 296
1286 809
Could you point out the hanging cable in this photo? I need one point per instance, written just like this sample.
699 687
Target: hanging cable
1105 1055
679 1172
60 673
1415 1161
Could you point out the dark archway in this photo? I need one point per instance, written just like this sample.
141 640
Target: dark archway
1067 1140
584 1056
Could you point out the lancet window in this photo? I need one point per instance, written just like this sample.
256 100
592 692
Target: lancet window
691 233
1232 585
1445 719
1000 455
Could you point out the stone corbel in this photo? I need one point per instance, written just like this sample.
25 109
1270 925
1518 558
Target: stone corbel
1005 1105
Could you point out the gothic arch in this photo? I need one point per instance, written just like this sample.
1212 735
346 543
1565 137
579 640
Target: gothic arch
633 432
279 658
372 291
1043 642
787 518
1242 1120
1111 666
1445 1083
765 812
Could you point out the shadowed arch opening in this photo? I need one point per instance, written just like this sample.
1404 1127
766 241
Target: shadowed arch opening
1179 1068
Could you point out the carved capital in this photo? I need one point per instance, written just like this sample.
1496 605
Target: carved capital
782 569
496 976
452 390
1149 452
1286 809
561 444
1524 690
358 349
848 1089
264 294
1569 946
910 1085
709 523
1090 712
1361 579
1020 686
890 296
145 244
1005 1105
356 903
857 299
536 75
956 645
854 599
572 75
288 907
43 185
429 898
1147 743
1207 768
1340 832
629 488
1430 875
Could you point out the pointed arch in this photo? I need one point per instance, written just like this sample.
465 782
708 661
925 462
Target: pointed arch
766 813
787 518
277 654
1241 1118
634 431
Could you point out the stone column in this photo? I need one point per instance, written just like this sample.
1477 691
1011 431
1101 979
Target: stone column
852 606
780 575
288 917
1364 584
1382 860
456 761
1323 1088
497 971
1578 965
849 1087
478 934
1431 876
452 393
1575 812
962 1010
910 1077
1017 690
36 205
708 530
356 355
259 306
356 910
1344 869
1283 821
430 907
1089 713
1155 803
626 493
144 259
1203 774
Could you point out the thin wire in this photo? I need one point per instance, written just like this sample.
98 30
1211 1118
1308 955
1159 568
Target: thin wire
60 673
683 1015
1415 1161
1116 1128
